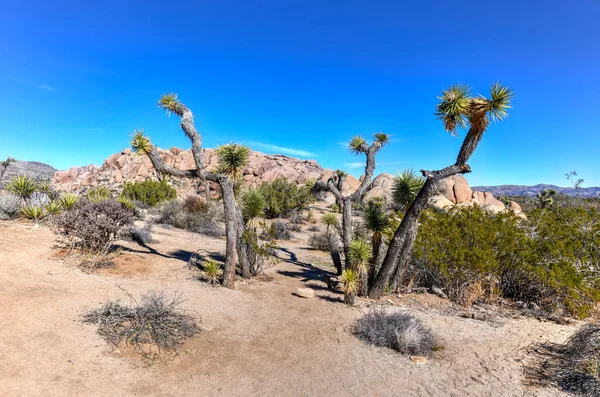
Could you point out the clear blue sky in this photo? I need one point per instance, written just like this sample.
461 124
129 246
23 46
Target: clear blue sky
77 77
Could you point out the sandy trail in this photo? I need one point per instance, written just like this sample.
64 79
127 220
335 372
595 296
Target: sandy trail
259 340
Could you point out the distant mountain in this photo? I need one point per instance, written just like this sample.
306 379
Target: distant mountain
36 170
532 191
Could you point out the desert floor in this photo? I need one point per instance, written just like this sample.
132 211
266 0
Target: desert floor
259 340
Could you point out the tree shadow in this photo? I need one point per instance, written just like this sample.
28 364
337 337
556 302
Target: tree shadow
182 255
312 276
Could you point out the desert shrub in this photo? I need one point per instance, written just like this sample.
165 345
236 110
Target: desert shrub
154 321
98 194
68 201
195 204
33 212
149 192
127 203
313 228
551 259
573 366
399 331
10 206
38 199
283 198
296 218
207 222
319 241
295 227
92 226
279 231
22 185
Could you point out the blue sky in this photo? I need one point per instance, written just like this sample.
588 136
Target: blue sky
303 77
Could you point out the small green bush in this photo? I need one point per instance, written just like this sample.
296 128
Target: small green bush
283 198
98 194
149 192
22 185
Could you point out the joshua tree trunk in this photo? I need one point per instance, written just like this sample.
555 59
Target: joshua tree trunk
402 240
346 227
231 233
349 298
334 251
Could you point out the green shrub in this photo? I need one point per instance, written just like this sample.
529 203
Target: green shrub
283 198
68 201
551 259
33 212
149 192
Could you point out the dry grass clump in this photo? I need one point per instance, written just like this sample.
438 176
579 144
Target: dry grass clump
155 320
398 331
573 366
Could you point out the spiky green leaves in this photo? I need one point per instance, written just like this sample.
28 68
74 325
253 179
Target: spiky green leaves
253 204
350 281
499 102
382 138
169 102
359 254
232 159
68 201
140 143
22 186
330 220
212 271
407 185
375 218
457 108
454 107
357 145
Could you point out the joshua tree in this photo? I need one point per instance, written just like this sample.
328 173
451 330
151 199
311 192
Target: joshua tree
360 254
232 159
457 109
332 232
546 198
357 145
376 221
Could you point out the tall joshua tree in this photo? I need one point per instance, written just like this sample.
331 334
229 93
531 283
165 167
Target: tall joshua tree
456 109
232 158
335 184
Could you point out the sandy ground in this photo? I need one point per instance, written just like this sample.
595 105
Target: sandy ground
259 340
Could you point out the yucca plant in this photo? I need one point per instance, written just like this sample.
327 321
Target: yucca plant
53 207
233 158
98 194
360 254
212 271
330 220
68 201
44 187
140 143
22 185
127 202
350 285
407 185
253 204
376 220
33 212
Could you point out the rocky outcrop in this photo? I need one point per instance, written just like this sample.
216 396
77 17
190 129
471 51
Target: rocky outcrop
127 167
33 169
455 191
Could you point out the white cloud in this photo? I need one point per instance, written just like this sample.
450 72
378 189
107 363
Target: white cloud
36 85
355 165
284 150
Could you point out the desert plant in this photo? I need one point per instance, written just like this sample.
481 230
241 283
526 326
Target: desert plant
33 212
350 284
330 220
21 185
360 254
98 194
279 231
44 187
148 192
407 185
358 145
174 213
376 221
53 208
154 321
399 331
195 204
319 241
141 235
253 204
212 271
10 205
68 201
127 203
92 226
283 198
456 109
